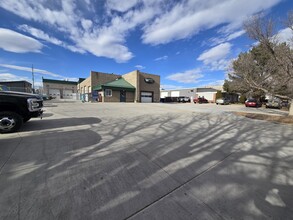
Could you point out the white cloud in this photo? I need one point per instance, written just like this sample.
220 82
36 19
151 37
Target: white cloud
29 69
161 58
43 36
235 35
15 42
140 67
215 53
11 77
227 37
121 6
188 76
190 17
86 24
102 41
39 34
216 83
285 35
105 35
216 56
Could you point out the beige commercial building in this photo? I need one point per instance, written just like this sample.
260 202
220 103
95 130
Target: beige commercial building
135 86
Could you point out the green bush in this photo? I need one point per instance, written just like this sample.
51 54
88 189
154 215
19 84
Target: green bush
219 95
242 99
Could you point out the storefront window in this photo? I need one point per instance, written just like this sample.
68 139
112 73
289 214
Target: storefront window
108 92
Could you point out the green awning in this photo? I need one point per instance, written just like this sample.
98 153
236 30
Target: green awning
97 87
117 84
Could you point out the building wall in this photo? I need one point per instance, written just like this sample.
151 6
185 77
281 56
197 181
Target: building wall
95 79
114 98
61 87
191 93
135 78
146 87
132 78
130 96
210 96
101 78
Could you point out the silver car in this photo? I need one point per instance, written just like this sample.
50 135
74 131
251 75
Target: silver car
274 103
223 101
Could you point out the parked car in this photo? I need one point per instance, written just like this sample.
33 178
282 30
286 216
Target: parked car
285 103
252 103
223 101
17 108
4 88
274 103
200 100
183 99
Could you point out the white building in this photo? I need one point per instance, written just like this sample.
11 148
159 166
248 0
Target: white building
208 93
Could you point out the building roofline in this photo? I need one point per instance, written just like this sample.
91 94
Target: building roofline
59 81
17 81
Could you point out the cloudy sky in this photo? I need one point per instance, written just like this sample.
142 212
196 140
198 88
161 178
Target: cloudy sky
189 43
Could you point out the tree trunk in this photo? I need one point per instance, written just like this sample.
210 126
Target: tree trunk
291 108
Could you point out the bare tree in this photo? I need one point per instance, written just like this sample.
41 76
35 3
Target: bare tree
268 66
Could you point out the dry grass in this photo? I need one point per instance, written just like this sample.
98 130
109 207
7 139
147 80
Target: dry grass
266 117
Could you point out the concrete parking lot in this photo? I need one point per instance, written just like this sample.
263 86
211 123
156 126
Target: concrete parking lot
147 161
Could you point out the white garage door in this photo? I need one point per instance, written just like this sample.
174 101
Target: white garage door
175 94
146 97
54 93
164 94
208 95
67 94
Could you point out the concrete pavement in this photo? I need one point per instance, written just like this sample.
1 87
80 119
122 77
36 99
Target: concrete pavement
146 161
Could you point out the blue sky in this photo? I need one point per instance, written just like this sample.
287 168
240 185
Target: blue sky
189 43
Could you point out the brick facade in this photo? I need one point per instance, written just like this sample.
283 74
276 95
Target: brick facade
135 78
145 87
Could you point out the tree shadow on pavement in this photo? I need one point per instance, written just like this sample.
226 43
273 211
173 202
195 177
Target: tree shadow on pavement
175 166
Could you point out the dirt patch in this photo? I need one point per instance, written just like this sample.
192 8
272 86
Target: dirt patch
266 117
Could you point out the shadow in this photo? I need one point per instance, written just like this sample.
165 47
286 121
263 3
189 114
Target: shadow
168 166
38 124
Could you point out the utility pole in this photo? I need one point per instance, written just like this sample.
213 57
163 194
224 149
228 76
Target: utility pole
33 76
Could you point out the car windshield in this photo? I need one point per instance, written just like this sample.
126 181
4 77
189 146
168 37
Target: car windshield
3 88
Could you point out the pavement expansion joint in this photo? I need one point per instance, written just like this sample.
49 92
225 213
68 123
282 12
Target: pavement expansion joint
17 145
179 186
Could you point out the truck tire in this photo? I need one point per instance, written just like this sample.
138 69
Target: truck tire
10 122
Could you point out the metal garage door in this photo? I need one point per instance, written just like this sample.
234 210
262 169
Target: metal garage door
67 94
54 93
164 94
175 94
146 97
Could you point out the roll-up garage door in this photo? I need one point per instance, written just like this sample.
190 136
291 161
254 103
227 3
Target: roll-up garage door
54 93
146 97
174 93
67 94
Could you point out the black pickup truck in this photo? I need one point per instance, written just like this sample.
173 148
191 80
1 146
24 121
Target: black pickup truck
17 108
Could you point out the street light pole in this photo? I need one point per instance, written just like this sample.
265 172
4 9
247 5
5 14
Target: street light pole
33 76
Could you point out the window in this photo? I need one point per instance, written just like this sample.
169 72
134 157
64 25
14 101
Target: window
108 92
89 89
